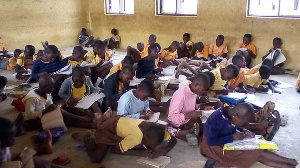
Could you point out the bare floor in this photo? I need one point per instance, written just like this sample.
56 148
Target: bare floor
182 156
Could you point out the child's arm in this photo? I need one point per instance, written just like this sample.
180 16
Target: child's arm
163 151
135 152
186 65
241 88
272 88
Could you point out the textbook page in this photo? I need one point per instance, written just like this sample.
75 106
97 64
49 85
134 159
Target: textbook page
87 101
67 70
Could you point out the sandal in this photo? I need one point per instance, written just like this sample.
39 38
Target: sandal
276 125
61 160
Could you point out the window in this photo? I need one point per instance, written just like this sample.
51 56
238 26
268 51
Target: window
119 6
273 8
176 7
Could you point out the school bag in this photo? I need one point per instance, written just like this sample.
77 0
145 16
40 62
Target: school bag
18 104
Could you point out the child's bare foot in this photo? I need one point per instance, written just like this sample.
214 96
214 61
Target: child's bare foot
98 120
46 147
107 114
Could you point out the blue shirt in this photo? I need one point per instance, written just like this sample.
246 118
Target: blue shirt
218 128
130 106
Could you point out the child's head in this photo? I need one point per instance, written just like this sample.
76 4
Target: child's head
7 133
153 51
231 72
268 62
239 61
78 53
46 84
264 72
200 83
186 37
247 39
199 46
242 114
127 74
17 52
114 31
145 89
40 54
51 53
78 76
211 77
29 50
153 135
277 43
152 39
158 46
3 82
174 46
140 46
83 31
219 40
128 60
99 48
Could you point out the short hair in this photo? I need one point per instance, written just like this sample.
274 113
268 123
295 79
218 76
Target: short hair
248 36
151 48
83 29
187 35
264 70
156 132
99 44
5 127
128 60
79 49
140 43
211 77
221 37
202 78
233 70
237 58
31 49
152 35
52 49
19 51
147 86
129 70
176 43
245 111
3 81
78 71
268 62
277 39
199 43
157 45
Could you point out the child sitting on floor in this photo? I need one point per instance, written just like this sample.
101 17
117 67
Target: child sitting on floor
218 49
128 136
3 82
128 60
199 51
247 49
183 111
114 41
84 39
255 69
116 85
239 61
77 57
170 53
277 57
135 103
97 56
219 130
7 139
11 64
222 75
25 61
256 80
186 47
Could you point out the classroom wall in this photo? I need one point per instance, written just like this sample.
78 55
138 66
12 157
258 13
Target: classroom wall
32 21
227 17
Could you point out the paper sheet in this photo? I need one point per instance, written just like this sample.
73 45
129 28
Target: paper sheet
159 162
86 64
165 78
67 70
161 122
169 71
250 144
284 85
242 49
87 101
136 81
154 118
236 95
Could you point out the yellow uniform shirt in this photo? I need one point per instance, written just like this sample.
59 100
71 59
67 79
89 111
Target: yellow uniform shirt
217 51
21 59
121 87
74 63
93 58
189 43
143 54
219 82
254 80
253 70
79 93
168 55
250 46
128 128
12 62
115 68
203 53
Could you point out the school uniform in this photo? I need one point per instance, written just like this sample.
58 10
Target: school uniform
233 83
254 80
279 60
253 70
145 67
168 55
68 61
250 46
219 82
94 58
145 51
116 68
203 53
131 106
217 51
26 62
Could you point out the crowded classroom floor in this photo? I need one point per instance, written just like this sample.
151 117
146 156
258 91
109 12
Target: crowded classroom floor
181 103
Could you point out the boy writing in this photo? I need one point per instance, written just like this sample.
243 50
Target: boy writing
138 53
239 61
128 60
11 64
25 61
170 53
200 51
84 39
247 49
222 75
116 85
183 111
146 66
218 49
114 41
77 57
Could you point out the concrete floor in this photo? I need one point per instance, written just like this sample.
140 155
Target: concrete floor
182 156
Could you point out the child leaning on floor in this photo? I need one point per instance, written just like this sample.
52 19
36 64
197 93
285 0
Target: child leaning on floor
11 64
219 130
183 112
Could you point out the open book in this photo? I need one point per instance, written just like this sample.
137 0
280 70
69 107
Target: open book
159 162
87 101
67 70
154 118
86 64
250 144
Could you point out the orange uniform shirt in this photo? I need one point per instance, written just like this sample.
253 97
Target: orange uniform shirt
203 53
233 83
12 64
217 51
145 52
168 55
250 46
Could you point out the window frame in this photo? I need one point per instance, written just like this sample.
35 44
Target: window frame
121 7
278 13
158 9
